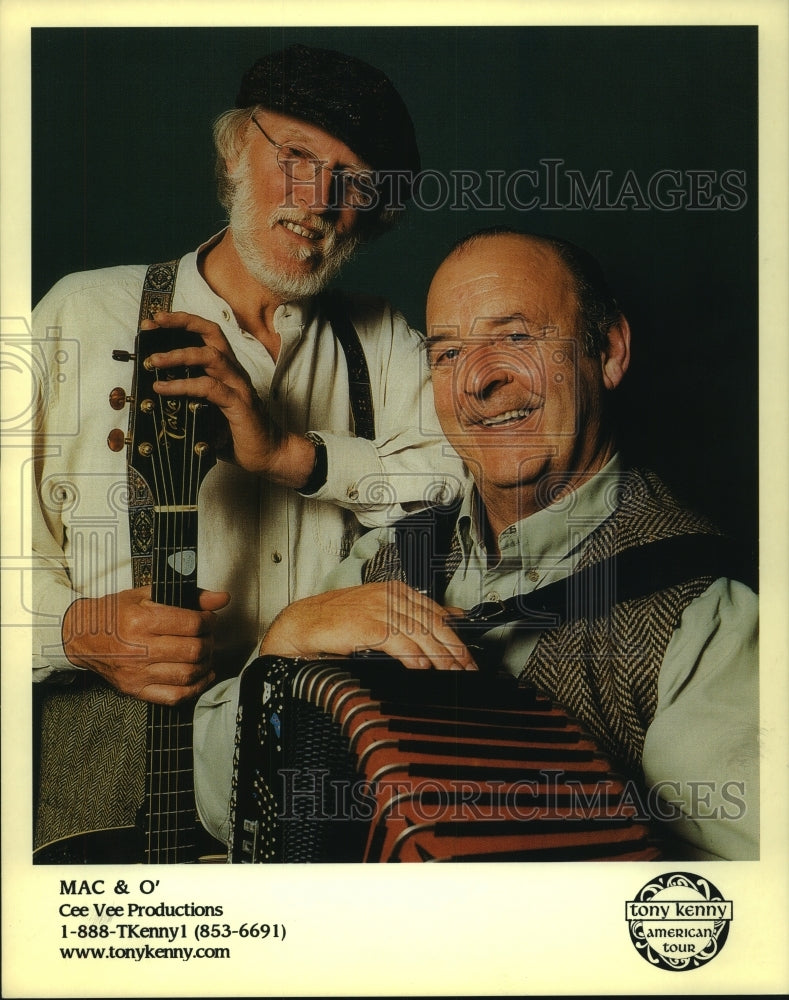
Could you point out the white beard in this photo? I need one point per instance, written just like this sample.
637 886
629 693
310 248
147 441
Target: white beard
250 240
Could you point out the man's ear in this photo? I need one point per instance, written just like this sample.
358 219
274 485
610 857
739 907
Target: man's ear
240 140
615 356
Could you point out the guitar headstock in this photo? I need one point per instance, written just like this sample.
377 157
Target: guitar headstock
170 439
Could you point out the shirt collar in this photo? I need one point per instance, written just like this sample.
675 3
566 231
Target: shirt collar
544 534
289 317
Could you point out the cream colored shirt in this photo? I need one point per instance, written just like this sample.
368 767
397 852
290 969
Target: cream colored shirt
265 544
701 750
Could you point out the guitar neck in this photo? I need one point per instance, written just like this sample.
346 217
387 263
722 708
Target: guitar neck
174 569
171 817
171 820
169 449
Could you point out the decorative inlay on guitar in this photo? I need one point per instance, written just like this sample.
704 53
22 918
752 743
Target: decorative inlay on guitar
168 457
169 450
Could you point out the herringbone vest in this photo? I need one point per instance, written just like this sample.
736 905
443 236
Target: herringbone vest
604 670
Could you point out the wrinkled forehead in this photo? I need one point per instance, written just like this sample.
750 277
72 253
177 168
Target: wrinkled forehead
493 281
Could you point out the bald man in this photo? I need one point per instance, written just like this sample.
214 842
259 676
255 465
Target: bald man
526 345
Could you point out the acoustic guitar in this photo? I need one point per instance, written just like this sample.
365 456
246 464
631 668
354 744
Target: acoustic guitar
170 453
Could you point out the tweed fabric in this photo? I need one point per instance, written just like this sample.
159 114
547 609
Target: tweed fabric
92 760
386 564
604 668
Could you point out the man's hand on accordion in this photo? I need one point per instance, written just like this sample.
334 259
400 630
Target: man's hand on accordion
390 618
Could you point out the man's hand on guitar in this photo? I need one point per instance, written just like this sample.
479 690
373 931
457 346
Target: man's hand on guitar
390 618
257 444
151 651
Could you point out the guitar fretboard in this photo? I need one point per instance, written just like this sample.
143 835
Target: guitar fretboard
175 558
171 823
169 450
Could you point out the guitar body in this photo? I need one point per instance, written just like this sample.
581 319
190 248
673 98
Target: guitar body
96 743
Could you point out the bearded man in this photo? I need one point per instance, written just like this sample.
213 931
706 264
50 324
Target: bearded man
322 395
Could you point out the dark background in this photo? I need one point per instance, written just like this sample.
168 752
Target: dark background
123 173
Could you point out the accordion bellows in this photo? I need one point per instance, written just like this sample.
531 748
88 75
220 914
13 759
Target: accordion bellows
362 760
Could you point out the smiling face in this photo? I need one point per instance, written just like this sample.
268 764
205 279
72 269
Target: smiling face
288 234
516 394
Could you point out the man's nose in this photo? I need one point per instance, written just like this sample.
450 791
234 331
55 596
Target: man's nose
315 195
485 370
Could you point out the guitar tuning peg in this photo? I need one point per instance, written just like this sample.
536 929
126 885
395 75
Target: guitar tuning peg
123 356
118 398
117 440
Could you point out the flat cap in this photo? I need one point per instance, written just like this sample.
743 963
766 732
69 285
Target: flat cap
346 97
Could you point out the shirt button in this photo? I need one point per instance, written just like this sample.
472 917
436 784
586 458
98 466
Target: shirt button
492 596
276 556
534 575
353 493
226 315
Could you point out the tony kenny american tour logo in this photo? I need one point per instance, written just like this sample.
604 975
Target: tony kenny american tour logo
679 921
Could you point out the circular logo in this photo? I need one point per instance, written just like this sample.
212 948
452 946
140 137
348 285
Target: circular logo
678 921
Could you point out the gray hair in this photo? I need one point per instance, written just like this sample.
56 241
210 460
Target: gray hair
230 130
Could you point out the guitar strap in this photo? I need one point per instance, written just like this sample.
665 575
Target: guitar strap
157 296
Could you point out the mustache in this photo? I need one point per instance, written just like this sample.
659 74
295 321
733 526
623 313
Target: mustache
316 223
328 251
329 242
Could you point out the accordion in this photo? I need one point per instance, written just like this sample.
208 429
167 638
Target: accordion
363 760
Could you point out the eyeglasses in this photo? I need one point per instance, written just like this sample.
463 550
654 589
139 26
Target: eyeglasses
356 188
